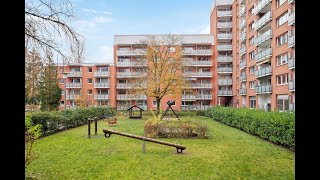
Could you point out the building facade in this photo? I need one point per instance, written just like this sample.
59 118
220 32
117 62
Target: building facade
255 45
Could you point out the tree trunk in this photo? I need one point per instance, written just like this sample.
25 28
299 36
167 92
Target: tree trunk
158 106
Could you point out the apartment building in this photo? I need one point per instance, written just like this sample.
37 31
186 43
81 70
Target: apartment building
255 47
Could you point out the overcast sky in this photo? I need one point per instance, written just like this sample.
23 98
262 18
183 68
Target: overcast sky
99 20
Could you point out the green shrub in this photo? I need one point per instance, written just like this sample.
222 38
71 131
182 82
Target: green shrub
277 127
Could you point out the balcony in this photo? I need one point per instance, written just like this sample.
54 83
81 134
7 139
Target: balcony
122 107
263 89
225 36
291 19
197 52
291 63
203 96
200 85
101 96
224 69
73 85
136 52
129 64
130 74
262 7
243 64
197 74
75 74
101 85
292 107
224 93
291 85
291 1
243 36
242 10
263 55
267 71
243 50
262 39
224 13
72 96
243 91
194 107
188 97
224 82
101 74
224 47
224 25
128 85
131 97
243 77
225 59
242 24
264 20
291 41
197 63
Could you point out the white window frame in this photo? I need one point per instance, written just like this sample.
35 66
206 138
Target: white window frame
282 59
91 81
283 79
252 99
284 99
88 91
282 39
282 19
280 2
251 70
252 84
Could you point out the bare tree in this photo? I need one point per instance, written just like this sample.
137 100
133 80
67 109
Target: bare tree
47 25
163 61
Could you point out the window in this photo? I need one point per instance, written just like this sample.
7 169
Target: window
251 26
252 102
251 70
251 55
280 2
89 80
282 102
61 102
282 39
282 19
282 79
251 40
89 91
251 11
154 103
61 80
89 69
252 84
282 59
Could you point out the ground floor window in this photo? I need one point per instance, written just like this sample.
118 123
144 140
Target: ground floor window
252 102
282 102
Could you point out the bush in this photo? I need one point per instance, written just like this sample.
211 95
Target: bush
275 126
55 120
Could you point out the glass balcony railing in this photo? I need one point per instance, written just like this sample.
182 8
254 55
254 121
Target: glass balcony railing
224 93
243 77
263 55
265 19
263 37
263 89
291 85
243 91
224 58
267 71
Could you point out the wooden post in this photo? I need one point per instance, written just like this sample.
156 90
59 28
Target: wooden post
95 126
88 127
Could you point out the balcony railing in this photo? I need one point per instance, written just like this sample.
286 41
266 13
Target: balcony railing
224 93
243 77
199 85
291 41
101 85
75 74
291 63
224 69
136 52
265 19
73 85
243 50
291 1
224 36
263 37
243 91
101 96
224 47
291 85
291 19
199 52
197 63
72 96
101 73
122 107
242 10
197 74
224 82
242 24
224 24
128 85
224 13
130 74
263 55
267 71
243 36
292 107
243 64
129 64
131 97
263 89
224 58
194 107
260 6
204 96
188 97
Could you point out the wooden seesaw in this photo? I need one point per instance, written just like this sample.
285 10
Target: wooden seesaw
108 132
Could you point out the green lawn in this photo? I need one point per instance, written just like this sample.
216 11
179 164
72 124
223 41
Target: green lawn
229 153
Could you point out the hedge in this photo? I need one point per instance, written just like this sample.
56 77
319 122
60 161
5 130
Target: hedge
275 126
53 121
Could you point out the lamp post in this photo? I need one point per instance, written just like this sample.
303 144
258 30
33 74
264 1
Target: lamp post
65 74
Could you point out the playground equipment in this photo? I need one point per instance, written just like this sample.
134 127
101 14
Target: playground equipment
95 125
108 132
132 115
112 120
170 103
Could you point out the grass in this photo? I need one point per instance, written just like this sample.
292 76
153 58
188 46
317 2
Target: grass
229 153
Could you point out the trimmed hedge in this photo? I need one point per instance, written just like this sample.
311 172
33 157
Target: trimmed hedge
53 121
275 126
